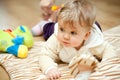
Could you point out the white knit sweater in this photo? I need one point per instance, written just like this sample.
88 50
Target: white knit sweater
53 51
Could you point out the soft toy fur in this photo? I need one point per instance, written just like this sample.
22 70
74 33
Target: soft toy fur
16 42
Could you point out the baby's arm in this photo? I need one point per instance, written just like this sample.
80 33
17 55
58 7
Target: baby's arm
48 56
49 67
109 51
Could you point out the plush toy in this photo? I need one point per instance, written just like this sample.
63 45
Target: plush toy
16 42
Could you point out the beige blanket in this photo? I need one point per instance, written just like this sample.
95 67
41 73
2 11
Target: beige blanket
28 68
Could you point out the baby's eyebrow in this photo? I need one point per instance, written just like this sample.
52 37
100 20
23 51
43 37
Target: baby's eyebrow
59 25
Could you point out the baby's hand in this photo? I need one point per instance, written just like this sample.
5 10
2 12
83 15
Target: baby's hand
53 74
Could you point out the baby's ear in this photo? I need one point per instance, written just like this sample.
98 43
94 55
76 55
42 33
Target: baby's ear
87 35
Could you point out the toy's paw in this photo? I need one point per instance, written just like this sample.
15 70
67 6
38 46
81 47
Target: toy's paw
20 51
23 51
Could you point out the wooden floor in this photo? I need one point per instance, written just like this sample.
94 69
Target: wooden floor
26 12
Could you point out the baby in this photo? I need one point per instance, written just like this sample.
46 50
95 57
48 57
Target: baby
75 39
45 6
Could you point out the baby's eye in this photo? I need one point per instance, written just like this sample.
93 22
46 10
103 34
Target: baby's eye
73 33
61 29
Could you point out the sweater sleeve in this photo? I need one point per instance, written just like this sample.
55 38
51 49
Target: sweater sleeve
49 53
109 51
103 51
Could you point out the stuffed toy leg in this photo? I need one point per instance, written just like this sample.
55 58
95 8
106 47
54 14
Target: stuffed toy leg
82 65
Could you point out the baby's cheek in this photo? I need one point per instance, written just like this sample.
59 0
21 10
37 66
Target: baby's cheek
75 41
59 38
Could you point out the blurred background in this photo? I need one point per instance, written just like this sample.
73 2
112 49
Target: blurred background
27 12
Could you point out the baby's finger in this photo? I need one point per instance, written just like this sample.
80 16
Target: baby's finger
50 76
58 74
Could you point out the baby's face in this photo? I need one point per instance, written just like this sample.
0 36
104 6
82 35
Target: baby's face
71 36
47 9
46 5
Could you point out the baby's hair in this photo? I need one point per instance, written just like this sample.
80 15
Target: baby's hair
81 11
